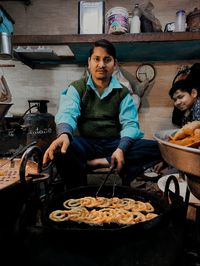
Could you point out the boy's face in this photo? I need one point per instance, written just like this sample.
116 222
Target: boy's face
184 100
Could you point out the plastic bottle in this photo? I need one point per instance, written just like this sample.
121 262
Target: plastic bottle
135 21
180 20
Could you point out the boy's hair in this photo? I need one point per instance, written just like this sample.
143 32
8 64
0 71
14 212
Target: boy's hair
108 46
191 81
182 85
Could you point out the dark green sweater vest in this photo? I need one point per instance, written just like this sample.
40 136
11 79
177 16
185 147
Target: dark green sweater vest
99 117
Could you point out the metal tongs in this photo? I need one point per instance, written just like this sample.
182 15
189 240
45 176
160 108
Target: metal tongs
112 170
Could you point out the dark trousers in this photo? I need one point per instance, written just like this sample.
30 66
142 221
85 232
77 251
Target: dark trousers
72 166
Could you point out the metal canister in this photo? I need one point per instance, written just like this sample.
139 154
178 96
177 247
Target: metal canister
40 124
5 46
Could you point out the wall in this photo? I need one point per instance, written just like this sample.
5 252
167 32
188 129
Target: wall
61 17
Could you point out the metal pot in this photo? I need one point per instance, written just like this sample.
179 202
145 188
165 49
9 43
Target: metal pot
5 46
185 159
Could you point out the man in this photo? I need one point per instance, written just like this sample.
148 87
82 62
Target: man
106 117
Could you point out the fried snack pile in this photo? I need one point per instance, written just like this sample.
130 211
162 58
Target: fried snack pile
188 135
101 210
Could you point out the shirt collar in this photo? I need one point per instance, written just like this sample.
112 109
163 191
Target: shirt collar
114 83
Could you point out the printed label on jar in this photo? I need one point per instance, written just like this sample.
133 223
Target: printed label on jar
118 23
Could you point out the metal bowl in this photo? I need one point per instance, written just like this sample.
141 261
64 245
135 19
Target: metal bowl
185 159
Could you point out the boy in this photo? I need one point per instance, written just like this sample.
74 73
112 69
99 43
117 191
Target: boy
186 97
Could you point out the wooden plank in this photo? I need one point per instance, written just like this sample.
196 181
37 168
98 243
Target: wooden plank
148 47
90 38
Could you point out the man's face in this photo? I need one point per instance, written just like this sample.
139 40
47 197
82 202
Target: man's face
101 64
184 100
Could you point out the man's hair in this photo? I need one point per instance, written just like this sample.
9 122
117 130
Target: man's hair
182 85
108 46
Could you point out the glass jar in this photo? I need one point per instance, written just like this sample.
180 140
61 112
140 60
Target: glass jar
180 24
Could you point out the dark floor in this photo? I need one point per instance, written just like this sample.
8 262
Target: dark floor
191 251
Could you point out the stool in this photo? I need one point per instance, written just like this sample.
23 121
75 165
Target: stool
105 171
57 184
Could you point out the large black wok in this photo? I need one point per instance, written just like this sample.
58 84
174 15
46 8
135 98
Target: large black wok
154 242
161 205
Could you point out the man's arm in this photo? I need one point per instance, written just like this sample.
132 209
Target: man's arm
129 121
68 111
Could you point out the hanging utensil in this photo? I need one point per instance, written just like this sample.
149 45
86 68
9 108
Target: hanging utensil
5 94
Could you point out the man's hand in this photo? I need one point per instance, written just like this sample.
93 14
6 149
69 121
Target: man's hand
117 159
61 142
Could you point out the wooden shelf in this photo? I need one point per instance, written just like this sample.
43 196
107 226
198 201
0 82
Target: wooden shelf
143 47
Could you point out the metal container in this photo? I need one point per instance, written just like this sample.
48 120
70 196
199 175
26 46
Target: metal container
5 46
183 158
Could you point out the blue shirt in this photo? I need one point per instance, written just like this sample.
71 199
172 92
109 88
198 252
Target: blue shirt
69 111
193 114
